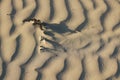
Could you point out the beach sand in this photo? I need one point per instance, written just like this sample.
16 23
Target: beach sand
81 42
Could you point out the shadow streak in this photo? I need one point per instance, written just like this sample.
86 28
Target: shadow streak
0 47
94 4
56 45
115 52
51 10
38 70
4 67
82 76
17 48
12 14
12 29
100 64
116 26
59 75
24 3
33 53
84 23
87 45
1 56
104 15
58 28
118 1
49 33
46 49
118 70
35 10
23 65
0 1
39 76
109 78
45 64
68 10
22 72
102 44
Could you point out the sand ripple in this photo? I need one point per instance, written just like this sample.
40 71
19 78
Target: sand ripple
82 41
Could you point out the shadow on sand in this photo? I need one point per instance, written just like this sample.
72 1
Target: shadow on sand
58 28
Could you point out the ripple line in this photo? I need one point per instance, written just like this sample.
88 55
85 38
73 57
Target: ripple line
115 52
59 75
103 16
34 53
116 26
118 71
46 63
84 23
51 10
22 73
82 76
4 67
12 14
102 44
94 5
39 76
100 64
34 12
17 48
68 10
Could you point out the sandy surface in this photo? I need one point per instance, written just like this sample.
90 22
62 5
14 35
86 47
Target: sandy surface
82 41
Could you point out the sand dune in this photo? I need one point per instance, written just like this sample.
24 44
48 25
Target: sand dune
81 42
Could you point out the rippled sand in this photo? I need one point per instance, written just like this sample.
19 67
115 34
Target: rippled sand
82 41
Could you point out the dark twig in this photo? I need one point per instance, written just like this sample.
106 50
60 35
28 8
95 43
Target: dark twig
36 22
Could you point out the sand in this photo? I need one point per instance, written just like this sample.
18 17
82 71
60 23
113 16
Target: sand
82 41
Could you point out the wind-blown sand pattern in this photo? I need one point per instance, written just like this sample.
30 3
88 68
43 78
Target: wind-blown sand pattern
82 41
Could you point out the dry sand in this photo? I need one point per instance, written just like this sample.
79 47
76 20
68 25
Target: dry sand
82 41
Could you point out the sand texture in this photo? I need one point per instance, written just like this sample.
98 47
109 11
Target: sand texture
81 41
